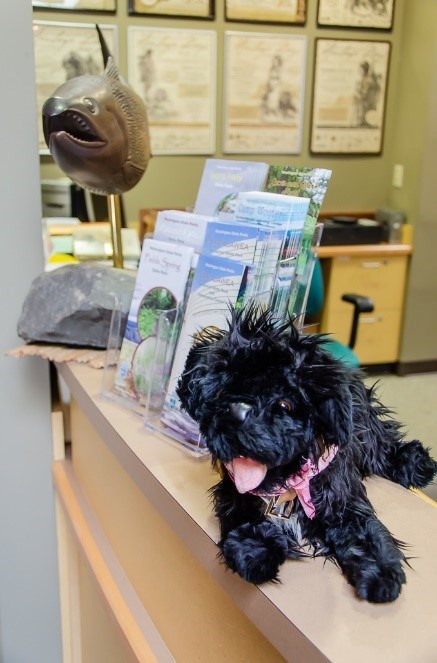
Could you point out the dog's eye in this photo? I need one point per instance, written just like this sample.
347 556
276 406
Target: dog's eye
284 405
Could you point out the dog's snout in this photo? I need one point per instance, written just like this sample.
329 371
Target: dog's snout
240 410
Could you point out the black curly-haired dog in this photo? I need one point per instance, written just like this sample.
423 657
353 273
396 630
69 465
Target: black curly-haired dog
294 432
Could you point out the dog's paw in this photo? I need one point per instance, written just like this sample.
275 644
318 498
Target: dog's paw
255 552
380 586
413 465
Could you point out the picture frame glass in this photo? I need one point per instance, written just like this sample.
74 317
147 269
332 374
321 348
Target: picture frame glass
77 5
174 72
177 8
63 51
266 11
349 94
263 105
373 14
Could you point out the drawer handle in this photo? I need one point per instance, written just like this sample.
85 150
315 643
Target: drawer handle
370 320
373 264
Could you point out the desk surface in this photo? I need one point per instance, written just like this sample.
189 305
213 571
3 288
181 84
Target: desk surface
314 611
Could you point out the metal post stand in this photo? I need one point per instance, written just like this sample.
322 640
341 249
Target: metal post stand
115 220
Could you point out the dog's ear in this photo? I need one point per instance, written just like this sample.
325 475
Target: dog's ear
330 388
335 417
198 380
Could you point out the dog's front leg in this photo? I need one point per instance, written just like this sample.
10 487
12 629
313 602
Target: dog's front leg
368 555
256 551
251 544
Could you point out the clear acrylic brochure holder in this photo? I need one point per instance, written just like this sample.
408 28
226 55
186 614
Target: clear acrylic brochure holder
292 276
151 377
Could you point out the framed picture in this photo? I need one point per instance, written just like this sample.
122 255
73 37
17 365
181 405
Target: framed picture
95 6
263 105
373 14
177 8
64 51
266 11
349 95
174 72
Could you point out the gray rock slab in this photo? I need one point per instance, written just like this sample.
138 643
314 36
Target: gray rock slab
73 305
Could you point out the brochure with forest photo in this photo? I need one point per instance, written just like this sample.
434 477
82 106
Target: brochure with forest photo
151 325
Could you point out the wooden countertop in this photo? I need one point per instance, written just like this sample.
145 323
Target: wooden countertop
313 614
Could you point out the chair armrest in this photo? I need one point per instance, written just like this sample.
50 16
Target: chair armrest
361 304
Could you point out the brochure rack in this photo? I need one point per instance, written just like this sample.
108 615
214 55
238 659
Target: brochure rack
115 338
154 375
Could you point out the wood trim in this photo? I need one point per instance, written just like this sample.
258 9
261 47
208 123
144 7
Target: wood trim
424 496
68 590
358 214
58 436
69 228
134 623
356 250
411 367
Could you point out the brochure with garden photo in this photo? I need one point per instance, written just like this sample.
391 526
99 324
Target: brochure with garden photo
159 289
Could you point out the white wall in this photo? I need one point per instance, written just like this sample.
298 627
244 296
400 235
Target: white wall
29 609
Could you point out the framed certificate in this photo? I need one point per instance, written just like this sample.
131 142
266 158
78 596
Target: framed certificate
176 8
64 51
263 105
266 11
95 6
349 95
370 14
174 72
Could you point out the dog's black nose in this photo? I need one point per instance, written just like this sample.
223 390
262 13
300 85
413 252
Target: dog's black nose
240 410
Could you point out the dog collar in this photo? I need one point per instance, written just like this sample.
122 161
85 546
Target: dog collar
297 485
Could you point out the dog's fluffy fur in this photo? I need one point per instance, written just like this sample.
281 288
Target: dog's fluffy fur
293 393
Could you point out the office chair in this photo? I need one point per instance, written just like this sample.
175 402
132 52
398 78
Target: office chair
314 305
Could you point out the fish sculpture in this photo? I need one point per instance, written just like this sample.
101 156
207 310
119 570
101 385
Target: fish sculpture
97 130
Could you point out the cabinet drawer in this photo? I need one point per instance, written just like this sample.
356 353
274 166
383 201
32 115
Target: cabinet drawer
377 336
382 279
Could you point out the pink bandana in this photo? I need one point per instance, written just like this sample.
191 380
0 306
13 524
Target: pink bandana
299 482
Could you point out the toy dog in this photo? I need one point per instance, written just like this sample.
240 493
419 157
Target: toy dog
293 432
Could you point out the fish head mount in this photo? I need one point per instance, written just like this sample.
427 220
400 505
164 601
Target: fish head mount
97 130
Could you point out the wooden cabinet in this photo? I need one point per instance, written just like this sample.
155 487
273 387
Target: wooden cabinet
376 274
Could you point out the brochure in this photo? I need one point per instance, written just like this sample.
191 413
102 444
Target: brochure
181 228
222 180
303 182
272 209
216 285
289 214
151 325
310 183
255 245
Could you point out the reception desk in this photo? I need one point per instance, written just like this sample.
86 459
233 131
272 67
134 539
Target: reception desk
140 579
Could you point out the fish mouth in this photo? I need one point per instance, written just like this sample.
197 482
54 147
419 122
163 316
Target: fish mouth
75 126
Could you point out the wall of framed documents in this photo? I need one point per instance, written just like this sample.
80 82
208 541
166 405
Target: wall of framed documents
226 78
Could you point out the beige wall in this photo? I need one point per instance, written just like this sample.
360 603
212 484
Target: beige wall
415 146
357 182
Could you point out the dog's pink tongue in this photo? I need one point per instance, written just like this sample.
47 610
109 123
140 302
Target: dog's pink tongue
248 474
